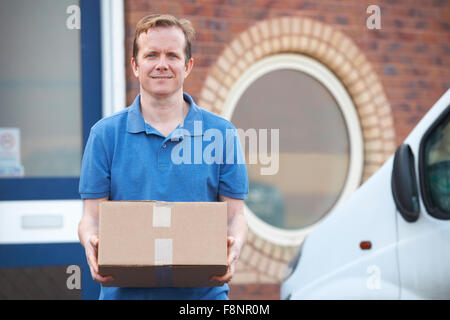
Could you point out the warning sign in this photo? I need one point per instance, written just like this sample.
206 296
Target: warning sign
7 141
10 165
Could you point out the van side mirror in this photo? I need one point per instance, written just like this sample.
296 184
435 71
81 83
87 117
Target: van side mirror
404 184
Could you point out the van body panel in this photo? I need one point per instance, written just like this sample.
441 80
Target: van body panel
332 263
424 257
407 260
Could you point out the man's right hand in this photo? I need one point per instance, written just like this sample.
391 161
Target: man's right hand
88 235
91 248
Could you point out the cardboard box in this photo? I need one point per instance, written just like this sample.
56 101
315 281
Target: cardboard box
162 244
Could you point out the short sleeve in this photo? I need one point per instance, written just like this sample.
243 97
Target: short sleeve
233 180
95 169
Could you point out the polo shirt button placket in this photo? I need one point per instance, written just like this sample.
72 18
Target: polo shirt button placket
163 157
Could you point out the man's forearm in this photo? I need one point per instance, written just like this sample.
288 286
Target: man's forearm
87 227
238 228
236 222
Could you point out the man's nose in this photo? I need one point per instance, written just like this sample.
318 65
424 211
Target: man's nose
162 63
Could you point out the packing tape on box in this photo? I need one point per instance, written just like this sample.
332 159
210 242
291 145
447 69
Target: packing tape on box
163 251
164 276
162 212
163 257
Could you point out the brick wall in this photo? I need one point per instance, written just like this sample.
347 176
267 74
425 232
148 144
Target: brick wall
410 54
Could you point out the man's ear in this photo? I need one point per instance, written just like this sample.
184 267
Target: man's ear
135 67
188 67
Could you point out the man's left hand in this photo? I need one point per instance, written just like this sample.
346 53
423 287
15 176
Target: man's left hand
234 250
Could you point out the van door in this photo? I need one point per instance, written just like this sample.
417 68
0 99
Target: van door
424 256
50 89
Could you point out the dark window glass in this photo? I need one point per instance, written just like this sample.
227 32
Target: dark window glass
436 169
314 148
40 89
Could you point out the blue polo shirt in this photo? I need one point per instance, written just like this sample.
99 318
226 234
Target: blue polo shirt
127 159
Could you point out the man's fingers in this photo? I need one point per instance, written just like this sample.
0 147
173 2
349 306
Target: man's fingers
91 254
93 262
99 278
92 273
231 258
102 279
226 277
223 279
94 241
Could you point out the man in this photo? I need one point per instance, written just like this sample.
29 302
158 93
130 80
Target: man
129 155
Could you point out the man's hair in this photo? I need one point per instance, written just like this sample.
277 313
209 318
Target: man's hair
165 21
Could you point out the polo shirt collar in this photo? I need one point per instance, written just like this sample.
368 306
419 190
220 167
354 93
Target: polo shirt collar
194 114
136 122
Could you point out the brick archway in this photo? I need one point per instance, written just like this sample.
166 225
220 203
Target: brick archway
262 261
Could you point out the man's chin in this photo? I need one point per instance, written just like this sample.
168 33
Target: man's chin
160 94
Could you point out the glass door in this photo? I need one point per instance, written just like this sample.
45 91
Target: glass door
50 96
50 93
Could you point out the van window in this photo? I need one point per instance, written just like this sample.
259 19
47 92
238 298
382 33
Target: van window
436 169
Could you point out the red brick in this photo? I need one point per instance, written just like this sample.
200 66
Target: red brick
414 40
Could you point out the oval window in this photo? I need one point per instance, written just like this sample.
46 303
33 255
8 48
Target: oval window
320 143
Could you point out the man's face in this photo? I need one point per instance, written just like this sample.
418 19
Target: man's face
160 65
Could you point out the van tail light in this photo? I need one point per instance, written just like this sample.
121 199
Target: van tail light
365 245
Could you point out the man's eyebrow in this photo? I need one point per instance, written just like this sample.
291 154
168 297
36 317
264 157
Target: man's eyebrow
154 51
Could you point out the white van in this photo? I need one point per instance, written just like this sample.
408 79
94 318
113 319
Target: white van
391 238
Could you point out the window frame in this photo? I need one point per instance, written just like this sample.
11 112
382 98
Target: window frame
49 188
424 191
325 76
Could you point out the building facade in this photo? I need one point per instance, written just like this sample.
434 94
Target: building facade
380 79
326 89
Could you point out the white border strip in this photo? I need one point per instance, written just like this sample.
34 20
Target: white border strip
328 79
13 213
113 56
